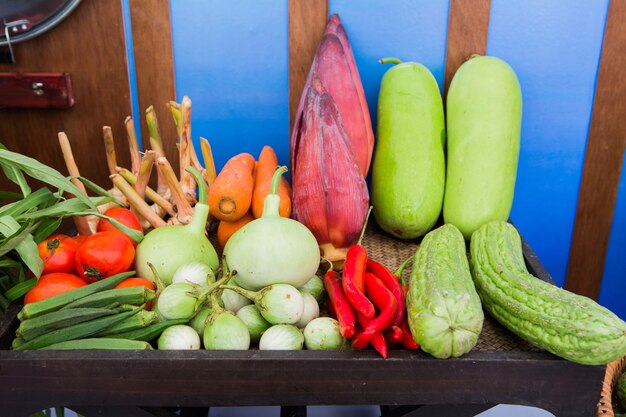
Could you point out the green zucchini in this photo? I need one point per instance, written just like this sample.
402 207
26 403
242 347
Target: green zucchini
408 172
568 325
100 343
484 115
443 309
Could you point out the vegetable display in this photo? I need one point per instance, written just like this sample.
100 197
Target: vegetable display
484 116
408 173
571 326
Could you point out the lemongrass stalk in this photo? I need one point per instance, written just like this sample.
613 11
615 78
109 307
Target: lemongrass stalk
136 201
85 225
186 133
133 145
187 182
157 145
183 208
109 147
143 176
155 197
209 163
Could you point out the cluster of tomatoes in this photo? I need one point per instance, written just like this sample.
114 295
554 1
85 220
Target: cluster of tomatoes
72 262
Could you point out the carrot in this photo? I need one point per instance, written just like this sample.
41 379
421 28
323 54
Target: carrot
226 229
265 168
230 195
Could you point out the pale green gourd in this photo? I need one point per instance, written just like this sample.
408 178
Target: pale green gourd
484 115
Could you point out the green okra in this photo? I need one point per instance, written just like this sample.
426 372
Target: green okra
100 343
77 331
32 328
56 302
140 320
128 295
149 333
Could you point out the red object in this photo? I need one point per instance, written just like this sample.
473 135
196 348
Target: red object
392 282
137 282
53 284
79 239
340 305
386 304
393 334
58 253
36 90
407 338
353 280
377 340
104 254
122 215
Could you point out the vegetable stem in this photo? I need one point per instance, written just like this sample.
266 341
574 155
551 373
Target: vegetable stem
390 60
83 226
109 147
209 163
150 193
184 209
133 145
202 191
137 202
364 226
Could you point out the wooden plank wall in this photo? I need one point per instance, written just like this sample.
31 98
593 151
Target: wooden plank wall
603 162
154 66
90 46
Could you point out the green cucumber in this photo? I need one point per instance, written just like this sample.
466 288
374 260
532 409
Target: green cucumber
408 172
443 309
100 343
484 115
568 325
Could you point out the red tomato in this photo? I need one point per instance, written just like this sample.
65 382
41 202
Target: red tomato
122 215
104 254
53 284
58 252
137 282
79 239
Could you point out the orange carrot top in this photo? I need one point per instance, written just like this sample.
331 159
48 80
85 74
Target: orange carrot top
265 168
230 195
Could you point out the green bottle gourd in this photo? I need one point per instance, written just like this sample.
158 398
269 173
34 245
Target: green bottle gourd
408 172
484 116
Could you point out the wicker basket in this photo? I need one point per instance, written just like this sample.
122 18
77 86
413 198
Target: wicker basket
608 397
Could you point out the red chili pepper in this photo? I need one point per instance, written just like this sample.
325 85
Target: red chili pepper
377 340
392 282
341 306
394 334
386 303
407 338
353 280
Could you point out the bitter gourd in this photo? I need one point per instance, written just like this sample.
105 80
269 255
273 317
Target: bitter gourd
568 325
444 311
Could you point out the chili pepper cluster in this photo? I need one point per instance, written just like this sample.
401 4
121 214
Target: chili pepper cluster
369 302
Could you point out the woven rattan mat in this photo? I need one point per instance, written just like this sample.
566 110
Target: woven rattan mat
391 252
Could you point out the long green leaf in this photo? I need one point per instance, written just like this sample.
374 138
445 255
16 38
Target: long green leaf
16 176
26 249
16 236
65 208
19 290
5 283
9 263
40 198
7 195
41 172
46 228
99 190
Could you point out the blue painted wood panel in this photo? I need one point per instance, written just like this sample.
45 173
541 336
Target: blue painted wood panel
405 29
613 290
231 59
554 47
